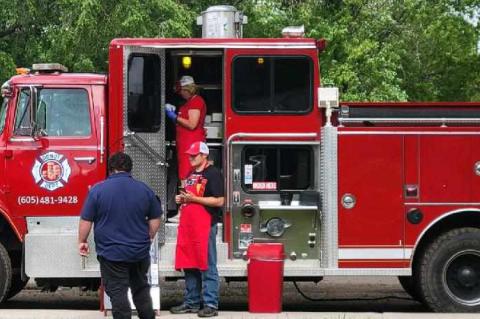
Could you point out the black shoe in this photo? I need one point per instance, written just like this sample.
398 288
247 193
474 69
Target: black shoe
183 308
208 312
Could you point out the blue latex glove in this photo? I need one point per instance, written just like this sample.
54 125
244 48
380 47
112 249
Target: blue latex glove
170 107
171 115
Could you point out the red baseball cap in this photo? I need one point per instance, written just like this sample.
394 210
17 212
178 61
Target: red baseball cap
197 148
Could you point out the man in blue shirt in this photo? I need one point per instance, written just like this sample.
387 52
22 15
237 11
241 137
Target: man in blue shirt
125 214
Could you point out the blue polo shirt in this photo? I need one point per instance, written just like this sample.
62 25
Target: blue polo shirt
120 208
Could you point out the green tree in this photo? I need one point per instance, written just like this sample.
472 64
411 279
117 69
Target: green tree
377 49
7 67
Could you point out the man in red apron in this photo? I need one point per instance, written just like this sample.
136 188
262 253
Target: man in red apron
196 252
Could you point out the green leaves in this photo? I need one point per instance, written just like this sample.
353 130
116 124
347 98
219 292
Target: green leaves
7 66
377 49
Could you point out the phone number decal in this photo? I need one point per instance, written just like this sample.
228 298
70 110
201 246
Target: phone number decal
46 200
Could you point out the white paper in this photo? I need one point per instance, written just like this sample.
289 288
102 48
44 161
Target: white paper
248 176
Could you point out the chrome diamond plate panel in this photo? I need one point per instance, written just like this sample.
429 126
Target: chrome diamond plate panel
329 197
147 159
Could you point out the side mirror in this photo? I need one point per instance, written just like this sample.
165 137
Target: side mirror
6 89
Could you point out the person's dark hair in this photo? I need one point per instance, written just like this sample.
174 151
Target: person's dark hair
120 162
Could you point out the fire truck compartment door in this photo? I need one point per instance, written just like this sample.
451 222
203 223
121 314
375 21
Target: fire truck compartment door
267 174
144 117
370 181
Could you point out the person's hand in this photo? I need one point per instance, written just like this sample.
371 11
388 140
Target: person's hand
171 115
186 197
83 249
178 199
170 107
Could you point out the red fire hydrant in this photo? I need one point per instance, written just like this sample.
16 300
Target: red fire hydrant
265 277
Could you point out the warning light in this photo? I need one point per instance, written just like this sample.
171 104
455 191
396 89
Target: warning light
22 71
186 62
260 60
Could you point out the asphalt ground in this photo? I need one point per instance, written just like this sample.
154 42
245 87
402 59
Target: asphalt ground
342 297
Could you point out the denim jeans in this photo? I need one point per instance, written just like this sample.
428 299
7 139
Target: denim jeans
196 280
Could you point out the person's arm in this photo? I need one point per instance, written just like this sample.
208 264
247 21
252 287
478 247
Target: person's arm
153 226
87 217
154 215
193 119
215 191
84 228
205 201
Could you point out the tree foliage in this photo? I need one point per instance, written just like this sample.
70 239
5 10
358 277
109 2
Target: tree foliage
377 49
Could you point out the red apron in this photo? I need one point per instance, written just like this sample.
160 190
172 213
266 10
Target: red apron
186 137
193 229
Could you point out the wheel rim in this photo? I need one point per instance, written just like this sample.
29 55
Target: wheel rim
461 277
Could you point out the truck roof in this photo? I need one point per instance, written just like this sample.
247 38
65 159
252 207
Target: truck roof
304 43
60 78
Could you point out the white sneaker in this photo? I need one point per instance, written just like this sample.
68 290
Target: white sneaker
175 219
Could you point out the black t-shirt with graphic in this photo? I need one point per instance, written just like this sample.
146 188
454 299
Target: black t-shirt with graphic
213 188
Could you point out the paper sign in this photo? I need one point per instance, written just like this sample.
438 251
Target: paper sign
270 186
248 177
245 228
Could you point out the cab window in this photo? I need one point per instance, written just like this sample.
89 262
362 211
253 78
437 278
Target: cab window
143 101
272 84
63 112
3 114
273 169
22 115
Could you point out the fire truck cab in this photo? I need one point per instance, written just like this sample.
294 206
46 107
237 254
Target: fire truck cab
349 189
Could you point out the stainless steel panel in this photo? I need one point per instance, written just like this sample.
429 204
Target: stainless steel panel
329 197
55 255
49 225
147 149
51 249
299 268
148 152
269 203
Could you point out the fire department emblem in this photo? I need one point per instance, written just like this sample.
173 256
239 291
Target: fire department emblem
51 171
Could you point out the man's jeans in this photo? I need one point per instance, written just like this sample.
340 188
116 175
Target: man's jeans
196 280
118 277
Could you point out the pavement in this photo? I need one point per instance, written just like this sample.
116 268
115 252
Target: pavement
92 314
367 297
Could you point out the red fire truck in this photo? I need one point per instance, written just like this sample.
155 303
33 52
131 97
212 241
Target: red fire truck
349 189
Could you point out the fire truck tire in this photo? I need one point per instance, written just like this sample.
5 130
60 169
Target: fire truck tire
410 286
17 285
5 273
450 272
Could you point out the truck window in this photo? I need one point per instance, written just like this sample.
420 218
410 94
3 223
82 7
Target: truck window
3 114
63 112
273 169
272 84
144 84
22 115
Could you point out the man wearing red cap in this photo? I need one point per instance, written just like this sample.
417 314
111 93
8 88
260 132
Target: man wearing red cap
196 252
